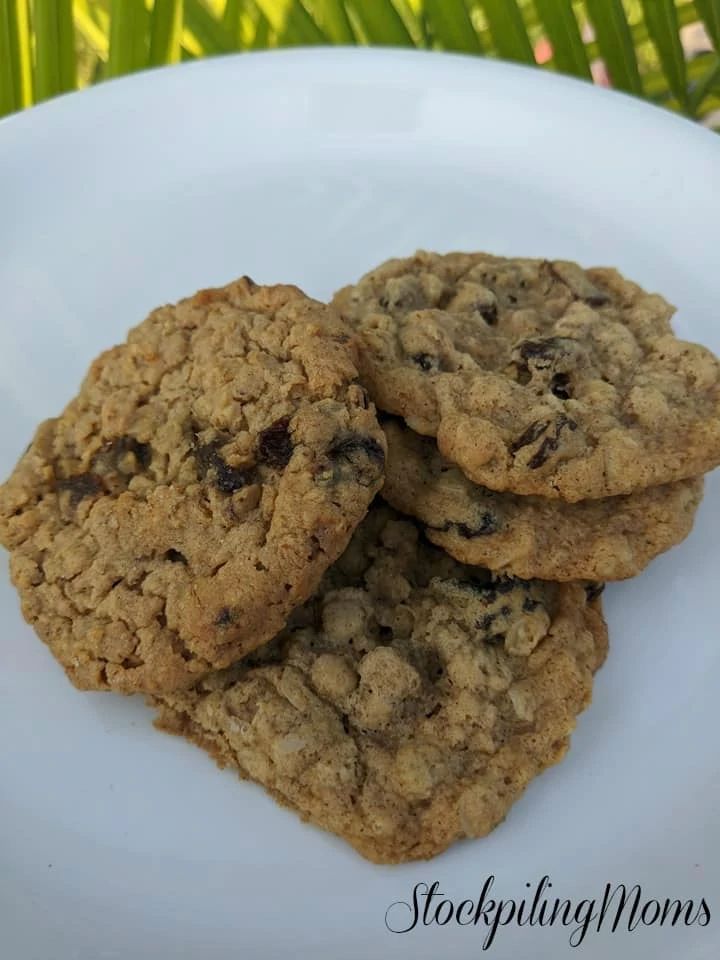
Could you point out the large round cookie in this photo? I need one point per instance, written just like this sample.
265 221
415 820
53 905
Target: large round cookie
537 377
194 491
410 702
608 539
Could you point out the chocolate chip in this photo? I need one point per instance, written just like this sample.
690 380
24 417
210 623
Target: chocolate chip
593 591
275 445
529 604
225 617
174 556
80 486
529 435
484 623
559 386
363 456
426 362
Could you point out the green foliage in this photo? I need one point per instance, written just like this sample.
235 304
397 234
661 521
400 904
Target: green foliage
50 46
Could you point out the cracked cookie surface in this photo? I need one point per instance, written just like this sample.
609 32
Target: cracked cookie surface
608 539
409 703
195 490
536 376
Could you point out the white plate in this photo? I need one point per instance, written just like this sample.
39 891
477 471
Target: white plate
311 166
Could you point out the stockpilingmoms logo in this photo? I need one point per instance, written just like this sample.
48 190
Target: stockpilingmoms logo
619 908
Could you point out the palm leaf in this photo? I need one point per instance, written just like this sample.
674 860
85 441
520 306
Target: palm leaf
708 82
380 23
67 63
263 32
232 19
15 56
449 23
165 31
208 30
569 53
709 10
508 30
299 28
662 23
89 29
47 50
8 97
332 17
615 43
128 37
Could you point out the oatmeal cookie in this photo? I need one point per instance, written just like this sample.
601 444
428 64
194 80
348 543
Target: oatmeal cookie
410 702
608 539
537 377
194 491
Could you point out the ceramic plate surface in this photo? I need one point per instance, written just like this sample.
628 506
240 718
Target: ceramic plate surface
310 167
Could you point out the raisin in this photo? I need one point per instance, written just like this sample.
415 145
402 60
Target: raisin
505 585
80 486
559 386
550 444
363 455
529 435
275 445
174 556
229 479
597 299
495 639
211 466
426 362
225 617
487 525
546 349
489 314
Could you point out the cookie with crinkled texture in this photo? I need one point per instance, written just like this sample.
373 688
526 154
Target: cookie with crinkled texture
537 376
608 539
410 702
194 491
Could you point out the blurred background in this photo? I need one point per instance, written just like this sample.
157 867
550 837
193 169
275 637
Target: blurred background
663 50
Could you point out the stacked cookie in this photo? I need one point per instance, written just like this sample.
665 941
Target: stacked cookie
567 427
201 525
